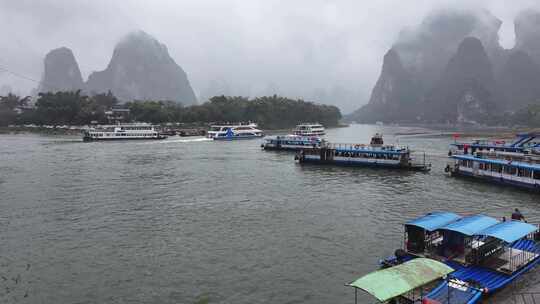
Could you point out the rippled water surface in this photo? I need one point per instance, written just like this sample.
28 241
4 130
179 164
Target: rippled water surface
180 220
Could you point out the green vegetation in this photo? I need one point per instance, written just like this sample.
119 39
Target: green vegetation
271 112
74 108
10 109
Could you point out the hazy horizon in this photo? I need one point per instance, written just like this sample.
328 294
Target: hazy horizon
303 49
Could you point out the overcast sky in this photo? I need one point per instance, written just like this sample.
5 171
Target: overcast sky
295 47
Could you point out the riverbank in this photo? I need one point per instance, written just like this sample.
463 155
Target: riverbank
41 130
76 130
461 131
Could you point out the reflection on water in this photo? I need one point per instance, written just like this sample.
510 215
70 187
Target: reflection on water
175 220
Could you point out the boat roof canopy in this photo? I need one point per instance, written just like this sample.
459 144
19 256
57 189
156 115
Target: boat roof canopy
509 231
433 221
392 282
471 225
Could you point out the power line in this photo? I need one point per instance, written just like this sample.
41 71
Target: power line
28 78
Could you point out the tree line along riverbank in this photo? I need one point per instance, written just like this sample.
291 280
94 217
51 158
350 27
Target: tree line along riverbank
73 108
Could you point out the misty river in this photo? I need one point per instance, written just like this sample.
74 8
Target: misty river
184 220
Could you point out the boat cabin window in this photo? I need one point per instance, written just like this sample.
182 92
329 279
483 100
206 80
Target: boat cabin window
510 170
524 172
536 174
466 163
496 168
453 244
484 249
483 166
415 239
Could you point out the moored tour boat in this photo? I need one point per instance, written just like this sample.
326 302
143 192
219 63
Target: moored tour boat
291 142
522 143
485 254
135 131
520 169
309 129
234 131
376 154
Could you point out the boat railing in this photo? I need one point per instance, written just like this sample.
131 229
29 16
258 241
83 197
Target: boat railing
494 155
529 159
418 158
363 147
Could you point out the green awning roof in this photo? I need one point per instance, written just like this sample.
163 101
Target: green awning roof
391 282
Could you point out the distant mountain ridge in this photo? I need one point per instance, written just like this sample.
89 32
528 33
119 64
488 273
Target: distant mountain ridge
61 72
451 69
140 69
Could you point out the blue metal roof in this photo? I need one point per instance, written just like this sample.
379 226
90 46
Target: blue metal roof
435 220
509 231
499 162
471 225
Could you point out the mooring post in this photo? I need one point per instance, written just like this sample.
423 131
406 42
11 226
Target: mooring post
448 290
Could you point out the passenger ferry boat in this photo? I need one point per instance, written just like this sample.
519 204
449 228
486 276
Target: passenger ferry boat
309 129
233 132
485 254
139 131
376 154
291 142
522 142
520 169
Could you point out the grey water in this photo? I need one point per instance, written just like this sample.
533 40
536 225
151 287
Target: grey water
187 220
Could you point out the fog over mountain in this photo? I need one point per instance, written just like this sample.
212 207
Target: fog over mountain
331 52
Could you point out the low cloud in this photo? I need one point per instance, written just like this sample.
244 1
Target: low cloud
298 48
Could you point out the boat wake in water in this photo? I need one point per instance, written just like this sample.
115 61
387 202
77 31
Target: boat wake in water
198 139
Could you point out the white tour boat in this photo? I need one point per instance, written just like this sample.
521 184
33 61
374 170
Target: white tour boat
291 142
309 129
122 131
233 132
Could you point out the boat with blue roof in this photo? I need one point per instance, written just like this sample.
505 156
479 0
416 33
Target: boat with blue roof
520 169
376 154
522 143
485 254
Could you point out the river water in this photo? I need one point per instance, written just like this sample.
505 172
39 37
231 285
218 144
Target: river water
184 220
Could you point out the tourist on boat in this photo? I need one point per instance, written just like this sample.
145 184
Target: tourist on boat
517 216
504 218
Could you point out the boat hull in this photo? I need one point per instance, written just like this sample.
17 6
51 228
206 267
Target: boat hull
496 180
88 139
230 138
362 163
284 148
